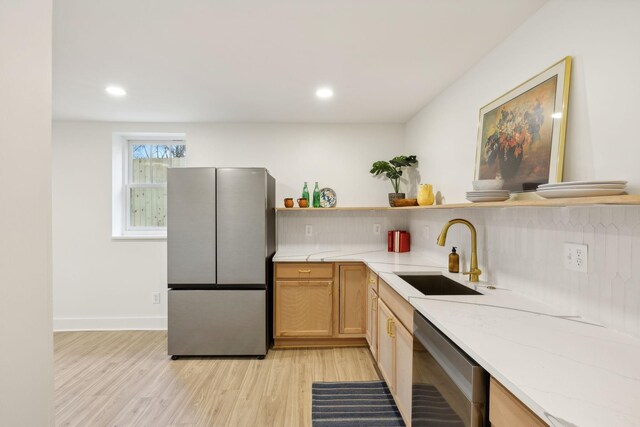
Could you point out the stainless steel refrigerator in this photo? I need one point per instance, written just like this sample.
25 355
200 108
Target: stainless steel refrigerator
220 245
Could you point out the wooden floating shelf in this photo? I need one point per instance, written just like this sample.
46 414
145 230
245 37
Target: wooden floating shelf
351 208
628 199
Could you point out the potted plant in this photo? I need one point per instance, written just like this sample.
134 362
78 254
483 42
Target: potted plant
393 170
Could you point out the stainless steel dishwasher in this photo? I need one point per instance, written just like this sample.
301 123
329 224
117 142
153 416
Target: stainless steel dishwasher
449 388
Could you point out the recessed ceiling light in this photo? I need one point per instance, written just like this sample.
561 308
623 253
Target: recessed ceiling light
324 93
115 91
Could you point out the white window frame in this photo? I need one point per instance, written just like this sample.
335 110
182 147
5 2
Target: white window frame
121 203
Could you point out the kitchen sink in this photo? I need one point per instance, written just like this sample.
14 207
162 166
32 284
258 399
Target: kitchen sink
436 284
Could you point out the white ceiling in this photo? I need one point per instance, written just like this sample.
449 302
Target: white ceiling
262 60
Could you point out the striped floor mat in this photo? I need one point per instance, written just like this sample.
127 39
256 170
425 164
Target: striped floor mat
352 404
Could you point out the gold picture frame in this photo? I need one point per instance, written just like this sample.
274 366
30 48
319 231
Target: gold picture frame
521 134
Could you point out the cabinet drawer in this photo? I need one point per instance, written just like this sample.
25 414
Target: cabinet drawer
398 305
506 410
303 271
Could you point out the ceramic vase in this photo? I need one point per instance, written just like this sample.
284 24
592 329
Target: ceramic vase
425 195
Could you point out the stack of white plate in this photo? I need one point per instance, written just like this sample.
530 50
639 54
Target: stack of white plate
582 189
488 195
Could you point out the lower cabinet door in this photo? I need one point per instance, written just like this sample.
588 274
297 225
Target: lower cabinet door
372 322
403 369
303 309
386 347
505 410
353 289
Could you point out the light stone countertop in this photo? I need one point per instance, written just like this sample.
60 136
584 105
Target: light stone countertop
569 371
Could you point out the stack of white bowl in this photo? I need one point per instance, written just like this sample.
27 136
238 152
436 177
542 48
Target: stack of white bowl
488 190
581 189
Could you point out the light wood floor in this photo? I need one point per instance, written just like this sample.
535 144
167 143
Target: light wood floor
125 378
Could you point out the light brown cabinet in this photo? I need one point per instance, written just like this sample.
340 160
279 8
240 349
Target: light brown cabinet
386 347
505 410
304 308
395 346
403 370
319 304
371 332
353 288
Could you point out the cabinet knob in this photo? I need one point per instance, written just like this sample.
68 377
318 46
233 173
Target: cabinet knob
391 334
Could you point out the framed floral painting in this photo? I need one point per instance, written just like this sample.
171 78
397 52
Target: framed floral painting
521 135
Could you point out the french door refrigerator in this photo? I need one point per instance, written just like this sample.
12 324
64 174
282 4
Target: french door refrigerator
220 245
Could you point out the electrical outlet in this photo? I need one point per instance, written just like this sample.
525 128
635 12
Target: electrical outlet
155 297
376 229
308 230
426 232
576 257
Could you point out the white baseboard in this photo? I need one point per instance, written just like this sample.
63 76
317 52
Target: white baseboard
109 323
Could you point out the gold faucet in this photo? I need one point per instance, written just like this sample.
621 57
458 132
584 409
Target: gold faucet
474 272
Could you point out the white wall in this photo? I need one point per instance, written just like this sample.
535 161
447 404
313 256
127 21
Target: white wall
103 283
602 140
521 248
26 356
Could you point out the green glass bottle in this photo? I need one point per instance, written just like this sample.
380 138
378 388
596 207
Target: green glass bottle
305 193
316 196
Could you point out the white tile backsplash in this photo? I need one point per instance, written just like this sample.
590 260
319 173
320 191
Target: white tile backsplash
521 248
342 229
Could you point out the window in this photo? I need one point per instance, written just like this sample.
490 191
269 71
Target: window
146 186
142 185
